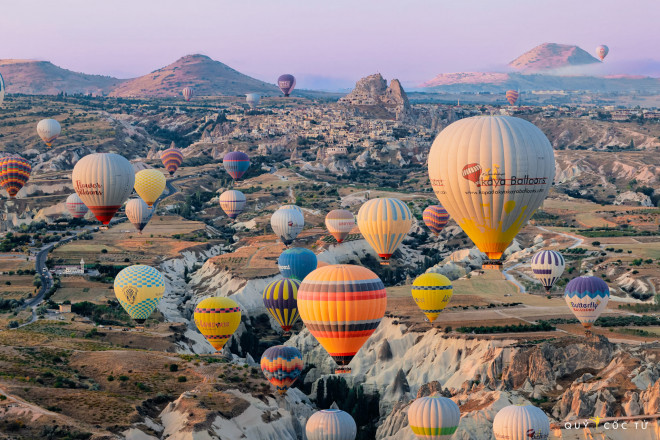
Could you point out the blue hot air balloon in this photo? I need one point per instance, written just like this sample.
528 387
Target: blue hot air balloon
296 263
236 163
548 267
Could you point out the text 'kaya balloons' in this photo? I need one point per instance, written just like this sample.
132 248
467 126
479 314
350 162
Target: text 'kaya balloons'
296 263
602 51
521 422
548 267
172 159
340 222
491 173
187 93
14 174
587 297
236 163
217 319
512 96
342 305
139 289
48 130
434 418
435 218
432 292
75 206
384 223
287 222
286 83
331 424
281 301
103 181
138 213
149 185
232 203
282 366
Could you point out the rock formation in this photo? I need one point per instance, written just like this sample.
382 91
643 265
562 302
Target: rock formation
373 93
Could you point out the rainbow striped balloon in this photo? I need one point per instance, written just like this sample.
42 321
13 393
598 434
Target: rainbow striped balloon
434 418
172 159
548 267
14 173
435 218
512 96
236 163
281 300
282 366
384 223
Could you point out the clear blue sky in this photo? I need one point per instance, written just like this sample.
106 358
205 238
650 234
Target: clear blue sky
336 39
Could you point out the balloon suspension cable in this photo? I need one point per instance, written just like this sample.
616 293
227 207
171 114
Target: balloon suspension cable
343 370
492 265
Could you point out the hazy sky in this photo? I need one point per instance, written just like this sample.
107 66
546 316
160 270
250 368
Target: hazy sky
340 40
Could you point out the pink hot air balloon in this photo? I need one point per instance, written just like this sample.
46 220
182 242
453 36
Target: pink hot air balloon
187 93
286 83
602 51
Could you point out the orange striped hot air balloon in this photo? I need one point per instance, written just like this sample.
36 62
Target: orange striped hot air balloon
172 159
14 173
512 96
342 305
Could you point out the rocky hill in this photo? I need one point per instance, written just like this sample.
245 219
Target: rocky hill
552 56
44 78
206 76
373 94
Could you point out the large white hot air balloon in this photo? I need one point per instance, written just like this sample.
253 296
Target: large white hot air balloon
331 424
103 181
521 422
287 222
491 173
138 213
48 130
75 206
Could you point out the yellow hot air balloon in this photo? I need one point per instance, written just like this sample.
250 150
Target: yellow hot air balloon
139 289
149 184
431 292
217 318
491 173
384 223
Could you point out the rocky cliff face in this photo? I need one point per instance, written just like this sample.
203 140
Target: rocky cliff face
373 93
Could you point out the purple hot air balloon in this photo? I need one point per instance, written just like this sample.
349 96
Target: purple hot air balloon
286 83
236 163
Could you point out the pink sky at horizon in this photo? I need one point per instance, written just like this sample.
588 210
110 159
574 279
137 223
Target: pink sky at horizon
339 41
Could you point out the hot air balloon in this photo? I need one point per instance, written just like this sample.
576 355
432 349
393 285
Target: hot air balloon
2 89
602 51
139 289
172 159
232 202
236 163
432 292
286 83
287 224
512 96
491 173
548 267
340 222
331 424
149 185
103 181
342 305
75 206
587 297
281 301
384 223
14 173
48 130
296 263
217 318
521 422
187 93
138 213
435 218
434 417
282 366
253 99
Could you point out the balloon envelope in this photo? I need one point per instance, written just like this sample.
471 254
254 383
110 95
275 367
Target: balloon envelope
2 89
340 222
281 300
384 223
434 418
548 267
511 96
139 289
435 218
48 130
138 213
149 185
282 366
342 305
287 224
75 206
521 422
432 291
491 173
253 99
286 83
232 203
331 424
296 263
587 297
14 174
217 318
187 93
236 163
103 181
172 159
602 51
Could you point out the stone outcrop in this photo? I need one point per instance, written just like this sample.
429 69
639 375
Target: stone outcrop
372 91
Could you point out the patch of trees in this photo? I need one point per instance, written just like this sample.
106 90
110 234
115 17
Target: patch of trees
12 241
543 326
106 314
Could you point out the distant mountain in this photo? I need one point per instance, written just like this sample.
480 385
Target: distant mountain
447 79
551 56
44 78
206 76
